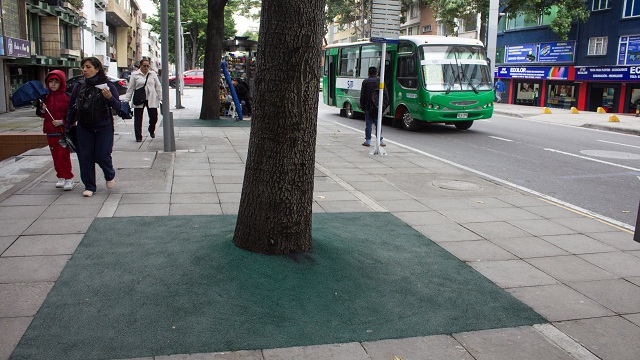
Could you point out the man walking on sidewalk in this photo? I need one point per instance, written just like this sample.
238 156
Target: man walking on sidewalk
369 86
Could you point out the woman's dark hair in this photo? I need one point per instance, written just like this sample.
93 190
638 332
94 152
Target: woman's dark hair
102 76
143 60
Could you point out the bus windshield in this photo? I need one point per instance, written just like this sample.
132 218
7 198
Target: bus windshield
455 68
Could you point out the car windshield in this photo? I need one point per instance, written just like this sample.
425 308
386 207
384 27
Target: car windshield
455 68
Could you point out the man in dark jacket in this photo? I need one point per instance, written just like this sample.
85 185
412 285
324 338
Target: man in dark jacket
244 94
369 85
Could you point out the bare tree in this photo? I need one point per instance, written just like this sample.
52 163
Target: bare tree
277 193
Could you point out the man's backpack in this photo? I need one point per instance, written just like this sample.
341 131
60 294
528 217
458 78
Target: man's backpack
90 104
374 101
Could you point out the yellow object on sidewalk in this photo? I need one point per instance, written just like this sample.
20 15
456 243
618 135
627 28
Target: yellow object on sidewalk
601 110
546 110
574 110
613 118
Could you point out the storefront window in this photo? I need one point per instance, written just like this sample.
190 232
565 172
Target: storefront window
562 96
524 94
635 100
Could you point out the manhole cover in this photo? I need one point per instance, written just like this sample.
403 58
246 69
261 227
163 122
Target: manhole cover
456 185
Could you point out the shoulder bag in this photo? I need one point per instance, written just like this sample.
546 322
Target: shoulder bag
140 95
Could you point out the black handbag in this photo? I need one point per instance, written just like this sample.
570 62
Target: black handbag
140 95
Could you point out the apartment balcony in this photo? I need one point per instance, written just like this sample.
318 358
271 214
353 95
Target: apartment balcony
117 16
100 4
70 53
99 30
103 59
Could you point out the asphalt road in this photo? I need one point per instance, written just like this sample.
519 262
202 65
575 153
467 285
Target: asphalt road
591 169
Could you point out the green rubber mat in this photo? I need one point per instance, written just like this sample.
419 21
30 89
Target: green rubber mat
210 123
145 286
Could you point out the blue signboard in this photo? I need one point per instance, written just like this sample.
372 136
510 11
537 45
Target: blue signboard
608 73
17 47
2 45
557 51
524 53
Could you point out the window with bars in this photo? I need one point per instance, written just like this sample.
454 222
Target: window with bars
600 4
426 28
598 45
413 12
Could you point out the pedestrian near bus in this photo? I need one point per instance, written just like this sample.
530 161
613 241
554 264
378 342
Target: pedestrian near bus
369 85
499 86
536 97
147 78
54 111
90 107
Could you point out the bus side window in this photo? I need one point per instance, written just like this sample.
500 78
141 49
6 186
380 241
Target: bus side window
407 74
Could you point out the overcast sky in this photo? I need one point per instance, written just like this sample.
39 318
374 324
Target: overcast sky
242 24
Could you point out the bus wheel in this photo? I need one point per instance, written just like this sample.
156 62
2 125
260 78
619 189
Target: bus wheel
408 123
349 110
463 125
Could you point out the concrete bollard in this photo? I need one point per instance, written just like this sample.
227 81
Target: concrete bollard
613 118
574 110
601 110
546 110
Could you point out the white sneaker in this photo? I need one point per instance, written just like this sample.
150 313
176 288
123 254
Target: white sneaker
60 183
68 184
87 193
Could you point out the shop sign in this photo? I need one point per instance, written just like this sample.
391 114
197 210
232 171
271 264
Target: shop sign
557 51
524 53
609 73
17 47
539 72
1 45
629 50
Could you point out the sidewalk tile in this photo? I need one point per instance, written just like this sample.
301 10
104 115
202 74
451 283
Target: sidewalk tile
634 318
618 263
570 268
32 268
486 203
528 247
6 241
35 245
608 337
11 330
345 206
230 197
235 355
467 216
195 209
552 211
618 295
348 351
44 226
513 273
228 179
497 230
322 196
403 205
585 225
522 343
151 198
621 240
16 200
60 212
14 226
125 210
22 299
425 348
446 232
390 195
504 214
475 251
521 200
191 198
578 244
559 302
541 227
21 212
424 218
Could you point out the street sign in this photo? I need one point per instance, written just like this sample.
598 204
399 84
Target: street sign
385 20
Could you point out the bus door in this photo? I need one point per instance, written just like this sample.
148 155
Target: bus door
329 79
407 83
388 79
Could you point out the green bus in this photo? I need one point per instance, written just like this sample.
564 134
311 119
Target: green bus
430 79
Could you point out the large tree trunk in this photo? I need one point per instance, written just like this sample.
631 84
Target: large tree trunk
210 108
277 193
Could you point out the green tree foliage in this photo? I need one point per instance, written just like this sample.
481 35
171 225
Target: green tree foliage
569 11
193 13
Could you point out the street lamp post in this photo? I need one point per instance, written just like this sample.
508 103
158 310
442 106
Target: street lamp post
178 43
492 33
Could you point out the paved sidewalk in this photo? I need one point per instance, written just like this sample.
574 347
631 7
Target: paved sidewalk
579 273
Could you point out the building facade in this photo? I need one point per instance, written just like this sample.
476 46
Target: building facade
597 67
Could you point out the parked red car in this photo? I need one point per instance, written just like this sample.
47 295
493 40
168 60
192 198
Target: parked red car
190 77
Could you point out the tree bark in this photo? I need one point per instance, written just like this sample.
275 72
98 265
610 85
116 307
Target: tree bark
210 108
277 193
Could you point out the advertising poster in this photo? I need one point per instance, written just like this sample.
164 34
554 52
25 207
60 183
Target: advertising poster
557 51
524 53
